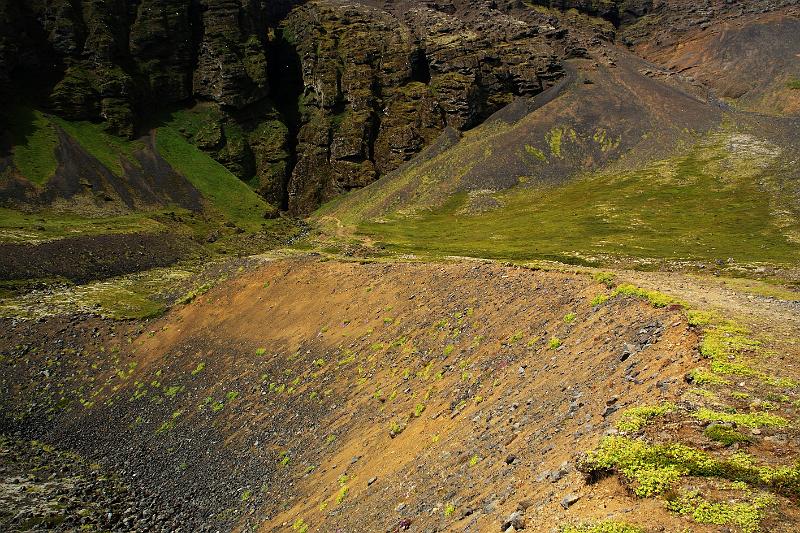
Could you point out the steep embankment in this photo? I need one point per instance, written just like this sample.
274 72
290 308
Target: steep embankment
749 60
326 396
264 392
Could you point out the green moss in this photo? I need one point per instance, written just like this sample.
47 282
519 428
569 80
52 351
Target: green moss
750 420
535 152
120 302
34 143
655 298
653 468
449 509
555 138
554 343
747 515
606 278
793 83
342 494
727 340
601 527
636 418
724 435
703 377
300 526
569 318
600 299
516 337
395 428
699 318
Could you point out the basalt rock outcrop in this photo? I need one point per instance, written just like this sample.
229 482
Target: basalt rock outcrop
305 100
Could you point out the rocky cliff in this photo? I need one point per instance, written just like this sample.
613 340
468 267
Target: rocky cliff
303 100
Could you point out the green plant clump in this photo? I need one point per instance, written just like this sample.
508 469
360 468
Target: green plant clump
751 420
747 515
724 435
636 418
607 526
300 526
654 298
653 468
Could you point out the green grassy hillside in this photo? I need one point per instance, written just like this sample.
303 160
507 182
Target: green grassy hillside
34 144
720 199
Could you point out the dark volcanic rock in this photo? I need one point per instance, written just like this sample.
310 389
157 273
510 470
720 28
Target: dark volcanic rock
319 97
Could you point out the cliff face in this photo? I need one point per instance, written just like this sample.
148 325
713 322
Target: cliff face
307 101
303 100
378 87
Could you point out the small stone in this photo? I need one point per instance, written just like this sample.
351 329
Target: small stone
515 521
523 505
371 480
569 500
610 410
510 459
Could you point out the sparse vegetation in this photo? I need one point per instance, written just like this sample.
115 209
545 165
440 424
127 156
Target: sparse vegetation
601 527
342 494
746 515
724 435
635 418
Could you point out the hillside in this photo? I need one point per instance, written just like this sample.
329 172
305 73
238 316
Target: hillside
432 395
624 161
362 265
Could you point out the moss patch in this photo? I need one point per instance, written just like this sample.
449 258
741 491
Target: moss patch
750 420
636 418
724 435
746 515
653 468
34 139
601 527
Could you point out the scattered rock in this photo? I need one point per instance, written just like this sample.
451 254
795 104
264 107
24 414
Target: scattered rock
516 521
569 500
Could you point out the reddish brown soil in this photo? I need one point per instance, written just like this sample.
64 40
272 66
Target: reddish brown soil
348 349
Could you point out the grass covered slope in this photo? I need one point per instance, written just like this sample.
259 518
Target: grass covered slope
712 202
589 178
78 203
64 178
227 193
34 142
